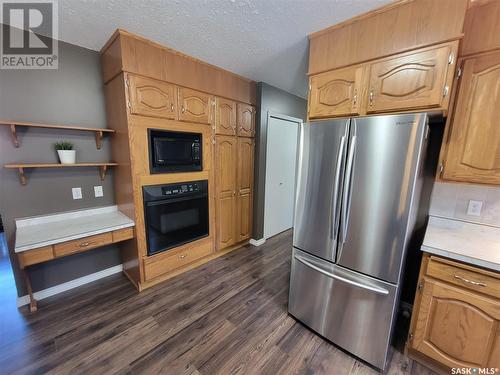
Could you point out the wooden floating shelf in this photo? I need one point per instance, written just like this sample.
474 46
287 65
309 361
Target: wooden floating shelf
103 167
99 133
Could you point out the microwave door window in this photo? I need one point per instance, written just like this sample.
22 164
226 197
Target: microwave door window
168 152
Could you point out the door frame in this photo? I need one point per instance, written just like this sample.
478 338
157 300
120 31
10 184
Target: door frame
299 122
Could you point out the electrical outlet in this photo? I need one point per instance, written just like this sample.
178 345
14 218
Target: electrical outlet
77 193
98 191
474 208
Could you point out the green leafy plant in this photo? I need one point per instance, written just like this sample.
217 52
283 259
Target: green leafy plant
64 146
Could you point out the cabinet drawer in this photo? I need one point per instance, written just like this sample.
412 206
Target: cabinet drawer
82 244
43 254
123 234
465 276
164 263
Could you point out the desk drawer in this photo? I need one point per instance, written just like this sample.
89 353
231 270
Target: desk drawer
82 244
35 256
123 234
468 277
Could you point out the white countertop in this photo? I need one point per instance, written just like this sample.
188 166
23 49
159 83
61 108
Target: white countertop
39 231
473 243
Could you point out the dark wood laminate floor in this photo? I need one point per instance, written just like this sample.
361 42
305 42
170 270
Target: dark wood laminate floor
226 317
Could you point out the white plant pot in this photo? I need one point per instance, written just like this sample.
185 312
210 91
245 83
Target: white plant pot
67 156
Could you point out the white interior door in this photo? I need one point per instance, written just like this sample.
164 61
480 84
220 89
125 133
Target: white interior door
281 162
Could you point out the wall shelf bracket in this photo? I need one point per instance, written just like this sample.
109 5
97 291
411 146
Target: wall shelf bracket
22 177
102 171
98 139
13 135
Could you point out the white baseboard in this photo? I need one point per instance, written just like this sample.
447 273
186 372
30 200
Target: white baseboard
24 300
257 242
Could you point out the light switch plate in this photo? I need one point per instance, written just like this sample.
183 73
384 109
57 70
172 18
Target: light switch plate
77 193
98 191
474 208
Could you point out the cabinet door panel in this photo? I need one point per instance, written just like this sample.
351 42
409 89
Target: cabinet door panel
226 175
225 116
149 97
411 81
245 208
195 106
246 120
245 187
456 327
473 153
336 94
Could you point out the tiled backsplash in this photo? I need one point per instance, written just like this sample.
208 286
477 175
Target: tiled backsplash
452 200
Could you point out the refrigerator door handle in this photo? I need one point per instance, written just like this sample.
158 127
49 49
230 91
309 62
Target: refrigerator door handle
336 188
347 189
342 279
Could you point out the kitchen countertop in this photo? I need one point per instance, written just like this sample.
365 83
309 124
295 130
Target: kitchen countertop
472 243
39 231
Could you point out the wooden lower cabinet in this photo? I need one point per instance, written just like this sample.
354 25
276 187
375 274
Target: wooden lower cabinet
453 325
473 149
234 189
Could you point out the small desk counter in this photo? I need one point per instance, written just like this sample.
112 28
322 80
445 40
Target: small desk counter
472 243
43 238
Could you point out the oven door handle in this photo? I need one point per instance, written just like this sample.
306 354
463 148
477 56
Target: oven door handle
174 200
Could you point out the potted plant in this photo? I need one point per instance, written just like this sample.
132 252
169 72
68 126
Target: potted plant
66 153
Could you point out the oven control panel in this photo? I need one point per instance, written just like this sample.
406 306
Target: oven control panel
180 189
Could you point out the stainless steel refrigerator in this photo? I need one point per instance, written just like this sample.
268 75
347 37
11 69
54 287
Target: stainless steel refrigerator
358 189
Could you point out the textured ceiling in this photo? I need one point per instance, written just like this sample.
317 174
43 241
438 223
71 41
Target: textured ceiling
265 40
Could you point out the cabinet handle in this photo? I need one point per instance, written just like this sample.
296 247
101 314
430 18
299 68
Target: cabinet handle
183 109
234 193
85 244
355 99
171 107
446 89
371 97
476 283
182 256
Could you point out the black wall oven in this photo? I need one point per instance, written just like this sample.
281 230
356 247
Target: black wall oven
175 214
174 151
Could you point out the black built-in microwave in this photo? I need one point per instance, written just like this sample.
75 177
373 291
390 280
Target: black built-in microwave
174 151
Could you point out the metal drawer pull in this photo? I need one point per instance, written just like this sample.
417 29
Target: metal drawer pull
85 244
477 283
342 279
182 256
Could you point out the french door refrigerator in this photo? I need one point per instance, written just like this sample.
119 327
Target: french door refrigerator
358 188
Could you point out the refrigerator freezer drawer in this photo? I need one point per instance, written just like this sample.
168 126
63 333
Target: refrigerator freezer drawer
352 310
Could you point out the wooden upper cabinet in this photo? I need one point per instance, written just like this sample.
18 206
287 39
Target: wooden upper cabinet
246 120
473 150
417 80
225 116
336 93
149 97
397 27
226 165
456 327
195 106
245 188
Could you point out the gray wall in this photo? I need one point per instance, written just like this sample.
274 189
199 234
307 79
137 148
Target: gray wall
73 94
272 99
